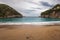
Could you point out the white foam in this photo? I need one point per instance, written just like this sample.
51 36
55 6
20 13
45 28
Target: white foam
31 23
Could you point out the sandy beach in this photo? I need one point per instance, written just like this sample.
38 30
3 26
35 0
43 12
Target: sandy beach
29 32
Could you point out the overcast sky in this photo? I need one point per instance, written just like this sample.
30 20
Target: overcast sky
31 7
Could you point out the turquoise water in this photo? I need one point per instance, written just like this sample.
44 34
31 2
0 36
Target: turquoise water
26 19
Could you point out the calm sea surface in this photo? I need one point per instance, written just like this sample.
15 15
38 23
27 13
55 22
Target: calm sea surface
28 19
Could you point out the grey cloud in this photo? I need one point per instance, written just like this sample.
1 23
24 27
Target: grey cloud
46 4
32 2
41 3
36 8
56 1
7 1
27 11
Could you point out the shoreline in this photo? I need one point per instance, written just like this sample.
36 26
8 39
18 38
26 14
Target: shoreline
30 23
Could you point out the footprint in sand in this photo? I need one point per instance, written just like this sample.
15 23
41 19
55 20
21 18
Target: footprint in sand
28 36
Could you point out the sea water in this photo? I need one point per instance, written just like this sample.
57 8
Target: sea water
29 20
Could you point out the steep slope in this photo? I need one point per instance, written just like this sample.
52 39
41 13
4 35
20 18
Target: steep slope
52 13
8 12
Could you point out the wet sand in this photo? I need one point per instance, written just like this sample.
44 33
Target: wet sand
29 32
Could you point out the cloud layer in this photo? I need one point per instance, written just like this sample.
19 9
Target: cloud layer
31 7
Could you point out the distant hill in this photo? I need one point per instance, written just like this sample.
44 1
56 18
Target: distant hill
52 13
8 12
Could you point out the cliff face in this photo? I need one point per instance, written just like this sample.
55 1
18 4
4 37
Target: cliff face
8 12
52 13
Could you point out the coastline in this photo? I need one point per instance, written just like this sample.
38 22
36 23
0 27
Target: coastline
31 23
30 31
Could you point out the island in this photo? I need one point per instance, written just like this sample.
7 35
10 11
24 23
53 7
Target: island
52 13
8 12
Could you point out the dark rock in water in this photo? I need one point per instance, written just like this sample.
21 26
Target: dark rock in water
8 12
52 13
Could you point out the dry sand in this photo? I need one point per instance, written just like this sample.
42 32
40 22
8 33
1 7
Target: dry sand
29 32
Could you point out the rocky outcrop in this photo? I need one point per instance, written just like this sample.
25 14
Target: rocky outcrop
8 12
52 13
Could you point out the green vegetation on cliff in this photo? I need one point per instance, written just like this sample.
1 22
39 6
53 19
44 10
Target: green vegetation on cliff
52 13
8 12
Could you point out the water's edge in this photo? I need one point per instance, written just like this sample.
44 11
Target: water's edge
31 23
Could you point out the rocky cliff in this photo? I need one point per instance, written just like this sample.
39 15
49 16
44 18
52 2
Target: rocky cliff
8 12
52 13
